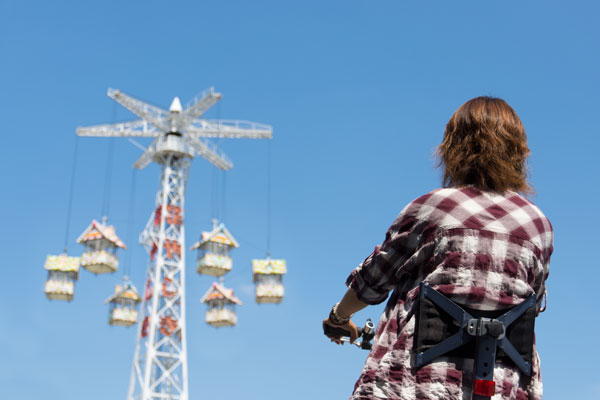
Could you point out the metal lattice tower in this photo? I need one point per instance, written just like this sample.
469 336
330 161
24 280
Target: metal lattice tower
160 361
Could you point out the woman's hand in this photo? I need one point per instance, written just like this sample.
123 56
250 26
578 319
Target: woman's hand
350 327
345 309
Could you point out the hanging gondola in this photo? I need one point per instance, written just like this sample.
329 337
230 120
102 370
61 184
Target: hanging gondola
213 251
101 245
123 305
221 306
268 280
63 271
267 273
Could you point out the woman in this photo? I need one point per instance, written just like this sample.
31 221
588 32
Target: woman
477 241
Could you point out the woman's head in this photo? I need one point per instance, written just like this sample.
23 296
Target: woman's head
485 145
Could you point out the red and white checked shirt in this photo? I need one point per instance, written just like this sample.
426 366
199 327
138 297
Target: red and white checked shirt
484 250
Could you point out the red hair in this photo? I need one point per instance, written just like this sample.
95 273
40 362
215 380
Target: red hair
485 146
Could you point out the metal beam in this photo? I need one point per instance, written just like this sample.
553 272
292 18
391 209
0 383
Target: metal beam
137 128
155 115
200 104
211 153
231 129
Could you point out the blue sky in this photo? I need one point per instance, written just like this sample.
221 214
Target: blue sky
358 94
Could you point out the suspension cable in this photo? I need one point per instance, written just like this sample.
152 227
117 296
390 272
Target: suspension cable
223 195
71 190
218 182
222 203
130 219
107 179
214 194
269 199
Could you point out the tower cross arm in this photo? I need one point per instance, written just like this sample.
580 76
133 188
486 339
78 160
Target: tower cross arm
155 115
137 128
229 129
146 157
200 104
211 153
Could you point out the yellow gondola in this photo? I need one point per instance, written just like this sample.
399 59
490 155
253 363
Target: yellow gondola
268 280
63 271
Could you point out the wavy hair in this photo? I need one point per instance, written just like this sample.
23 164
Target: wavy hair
485 145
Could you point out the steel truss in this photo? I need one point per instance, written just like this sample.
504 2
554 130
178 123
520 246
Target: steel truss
160 363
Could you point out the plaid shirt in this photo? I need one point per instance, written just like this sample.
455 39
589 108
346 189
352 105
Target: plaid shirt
483 250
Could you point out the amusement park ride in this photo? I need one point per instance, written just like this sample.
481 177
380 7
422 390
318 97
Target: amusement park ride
160 360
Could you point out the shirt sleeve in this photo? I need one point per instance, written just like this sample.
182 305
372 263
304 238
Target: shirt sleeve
380 272
541 274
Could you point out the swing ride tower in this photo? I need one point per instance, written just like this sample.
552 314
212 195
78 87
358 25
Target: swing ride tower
160 361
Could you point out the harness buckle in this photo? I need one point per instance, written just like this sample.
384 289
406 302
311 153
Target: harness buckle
486 326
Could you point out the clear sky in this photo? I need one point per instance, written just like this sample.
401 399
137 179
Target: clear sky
358 93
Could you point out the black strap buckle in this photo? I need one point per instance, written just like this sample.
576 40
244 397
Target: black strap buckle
486 326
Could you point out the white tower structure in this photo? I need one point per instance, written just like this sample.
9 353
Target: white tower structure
160 361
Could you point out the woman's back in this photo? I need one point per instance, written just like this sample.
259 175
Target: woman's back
483 250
